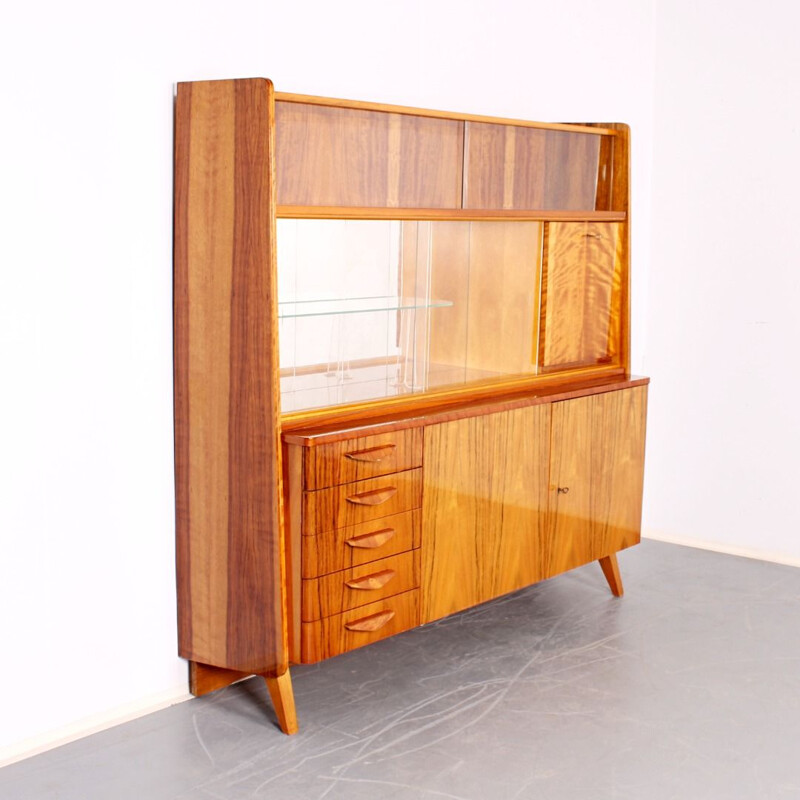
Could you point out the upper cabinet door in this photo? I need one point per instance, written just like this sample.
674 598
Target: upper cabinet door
514 167
330 156
582 303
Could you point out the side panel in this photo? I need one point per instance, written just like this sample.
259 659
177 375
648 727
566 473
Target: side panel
597 463
228 465
484 508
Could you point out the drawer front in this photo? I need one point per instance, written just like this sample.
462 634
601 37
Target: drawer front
365 457
342 632
362 501
359 586
343 548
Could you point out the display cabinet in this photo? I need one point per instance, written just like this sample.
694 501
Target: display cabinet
401 370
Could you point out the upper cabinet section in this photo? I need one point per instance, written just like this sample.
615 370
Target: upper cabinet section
331 156
338 157
513 167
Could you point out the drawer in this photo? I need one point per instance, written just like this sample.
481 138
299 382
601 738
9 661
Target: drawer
361 501
365 457
342 632
359 544
359 586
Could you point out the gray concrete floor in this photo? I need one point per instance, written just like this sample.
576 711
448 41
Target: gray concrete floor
688 688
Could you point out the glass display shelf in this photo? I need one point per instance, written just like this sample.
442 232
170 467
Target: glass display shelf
293 309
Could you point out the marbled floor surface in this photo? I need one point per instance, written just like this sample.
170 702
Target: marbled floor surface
688 688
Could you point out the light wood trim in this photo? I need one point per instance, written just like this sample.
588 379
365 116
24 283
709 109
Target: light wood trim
372 623
280 691
287 97
447 214
610 568
324 434
327 509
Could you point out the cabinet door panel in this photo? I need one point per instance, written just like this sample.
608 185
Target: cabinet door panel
484 500
330 156
597 456
581 294
510 166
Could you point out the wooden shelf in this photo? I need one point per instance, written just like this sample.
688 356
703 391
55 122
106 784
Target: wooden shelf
445 214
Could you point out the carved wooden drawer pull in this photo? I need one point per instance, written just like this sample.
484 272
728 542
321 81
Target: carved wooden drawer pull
371 623
372 454
373 498
375 581
371 540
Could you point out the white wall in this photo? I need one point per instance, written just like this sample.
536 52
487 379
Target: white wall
723 344
86 514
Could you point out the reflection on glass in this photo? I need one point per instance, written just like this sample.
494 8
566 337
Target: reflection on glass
370 309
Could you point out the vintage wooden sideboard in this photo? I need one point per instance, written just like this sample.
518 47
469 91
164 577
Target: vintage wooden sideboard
402 379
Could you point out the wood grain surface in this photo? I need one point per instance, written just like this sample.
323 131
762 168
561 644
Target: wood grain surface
229 539
514 167
582 274
359 586
329 636
597 453
610 567
332 156
204 679
364 457
282 696
342 548
484 508
341 506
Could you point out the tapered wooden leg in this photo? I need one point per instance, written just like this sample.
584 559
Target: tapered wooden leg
280 690
610 569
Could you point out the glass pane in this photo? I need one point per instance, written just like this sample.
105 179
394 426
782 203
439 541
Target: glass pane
379 308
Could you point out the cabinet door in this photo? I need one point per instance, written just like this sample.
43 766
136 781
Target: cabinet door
580 318
510 166
484 508
329 156
596 473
